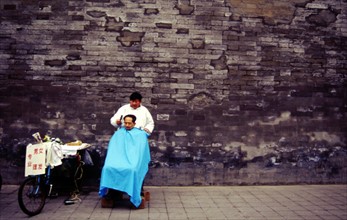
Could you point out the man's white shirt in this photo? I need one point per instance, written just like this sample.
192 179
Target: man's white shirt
143 116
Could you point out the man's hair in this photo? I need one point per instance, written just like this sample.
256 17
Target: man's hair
133 117
135 95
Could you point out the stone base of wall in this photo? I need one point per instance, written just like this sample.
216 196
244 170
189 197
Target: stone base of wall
245 176
189 174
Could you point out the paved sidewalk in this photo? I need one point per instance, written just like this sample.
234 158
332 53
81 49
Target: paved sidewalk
231 202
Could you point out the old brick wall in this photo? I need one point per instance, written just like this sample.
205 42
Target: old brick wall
242 92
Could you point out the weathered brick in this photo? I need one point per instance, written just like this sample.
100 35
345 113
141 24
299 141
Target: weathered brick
150 11
57 63
185 9
164 25
233 86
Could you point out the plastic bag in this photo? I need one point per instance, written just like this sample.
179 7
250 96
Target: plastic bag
87 159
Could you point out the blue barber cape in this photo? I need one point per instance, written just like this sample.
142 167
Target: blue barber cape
126 163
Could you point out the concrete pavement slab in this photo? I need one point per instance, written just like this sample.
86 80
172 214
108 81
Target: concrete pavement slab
210 203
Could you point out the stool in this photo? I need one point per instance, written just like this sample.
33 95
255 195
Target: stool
107 203
147 195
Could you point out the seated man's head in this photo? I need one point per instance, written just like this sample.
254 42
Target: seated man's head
135 100
129 121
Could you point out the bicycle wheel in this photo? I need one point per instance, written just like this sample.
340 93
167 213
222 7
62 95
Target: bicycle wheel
32 195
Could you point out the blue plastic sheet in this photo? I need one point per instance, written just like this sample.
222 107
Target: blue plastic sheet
126 163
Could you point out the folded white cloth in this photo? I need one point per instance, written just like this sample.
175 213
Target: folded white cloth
54 154
68 150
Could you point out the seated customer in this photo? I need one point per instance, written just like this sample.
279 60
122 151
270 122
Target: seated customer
126 161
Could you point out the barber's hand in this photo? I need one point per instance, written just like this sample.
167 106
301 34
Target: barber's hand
118 122
147 131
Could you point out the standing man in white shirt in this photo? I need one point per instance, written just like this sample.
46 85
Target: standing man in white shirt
144 118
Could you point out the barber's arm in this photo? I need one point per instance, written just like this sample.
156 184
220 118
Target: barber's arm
116 120
149 124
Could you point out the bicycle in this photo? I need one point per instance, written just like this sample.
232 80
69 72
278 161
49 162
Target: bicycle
35 189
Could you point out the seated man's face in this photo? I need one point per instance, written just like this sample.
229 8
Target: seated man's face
128 123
